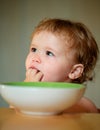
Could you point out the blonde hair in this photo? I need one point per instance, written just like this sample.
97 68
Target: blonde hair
79 38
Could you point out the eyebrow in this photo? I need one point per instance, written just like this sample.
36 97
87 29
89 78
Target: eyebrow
32 45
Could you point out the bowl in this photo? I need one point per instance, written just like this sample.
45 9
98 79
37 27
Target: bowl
41 98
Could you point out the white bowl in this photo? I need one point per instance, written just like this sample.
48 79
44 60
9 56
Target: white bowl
41 98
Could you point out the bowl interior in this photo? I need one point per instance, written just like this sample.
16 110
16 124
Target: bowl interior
44 84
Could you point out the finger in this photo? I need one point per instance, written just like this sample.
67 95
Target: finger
31 72
32 75
38 76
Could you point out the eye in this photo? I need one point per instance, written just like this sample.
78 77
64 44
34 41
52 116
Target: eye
49 53
33 49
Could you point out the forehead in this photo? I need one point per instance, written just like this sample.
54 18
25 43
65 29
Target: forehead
51 36
50 39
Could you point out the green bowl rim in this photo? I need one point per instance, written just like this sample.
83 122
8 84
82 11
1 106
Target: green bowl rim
44 84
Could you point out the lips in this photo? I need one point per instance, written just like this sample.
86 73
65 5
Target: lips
32 67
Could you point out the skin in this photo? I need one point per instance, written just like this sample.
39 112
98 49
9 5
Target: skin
48 60
51 60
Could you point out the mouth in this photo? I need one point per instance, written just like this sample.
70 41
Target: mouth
37 71
32 67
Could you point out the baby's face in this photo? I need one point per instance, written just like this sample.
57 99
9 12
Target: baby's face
49 56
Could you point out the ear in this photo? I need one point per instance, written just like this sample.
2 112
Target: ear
76 71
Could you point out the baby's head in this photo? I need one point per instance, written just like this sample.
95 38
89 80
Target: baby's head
78 39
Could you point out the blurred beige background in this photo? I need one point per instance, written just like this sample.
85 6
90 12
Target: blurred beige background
17 21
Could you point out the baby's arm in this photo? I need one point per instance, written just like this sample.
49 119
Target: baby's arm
85 105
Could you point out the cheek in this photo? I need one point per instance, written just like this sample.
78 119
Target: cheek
55 72
27 62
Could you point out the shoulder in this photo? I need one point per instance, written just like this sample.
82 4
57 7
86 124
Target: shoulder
85 105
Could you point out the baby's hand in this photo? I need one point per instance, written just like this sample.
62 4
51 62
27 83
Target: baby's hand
33 75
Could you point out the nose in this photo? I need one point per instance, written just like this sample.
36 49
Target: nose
36 58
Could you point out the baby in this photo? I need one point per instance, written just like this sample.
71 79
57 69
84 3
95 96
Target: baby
62 51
